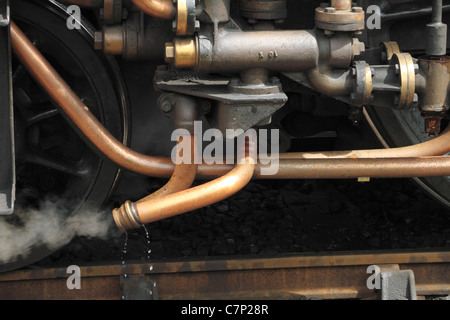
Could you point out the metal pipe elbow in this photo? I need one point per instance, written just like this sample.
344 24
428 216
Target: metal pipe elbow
330 82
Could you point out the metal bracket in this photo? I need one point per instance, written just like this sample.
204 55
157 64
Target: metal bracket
7 163
397 284
236 107
137 287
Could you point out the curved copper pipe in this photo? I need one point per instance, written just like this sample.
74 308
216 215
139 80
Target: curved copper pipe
79 113
133 215
183 175
163 9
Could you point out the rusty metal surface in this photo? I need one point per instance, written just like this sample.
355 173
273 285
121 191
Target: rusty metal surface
338 276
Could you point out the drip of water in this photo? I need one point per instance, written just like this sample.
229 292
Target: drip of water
147 235
123 258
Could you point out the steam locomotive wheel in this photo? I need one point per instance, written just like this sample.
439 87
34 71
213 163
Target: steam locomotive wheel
57 174
396 128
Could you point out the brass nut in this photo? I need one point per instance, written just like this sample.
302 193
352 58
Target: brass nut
170 52
182 52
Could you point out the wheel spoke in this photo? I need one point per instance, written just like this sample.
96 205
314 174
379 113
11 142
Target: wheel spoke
61 165
44 114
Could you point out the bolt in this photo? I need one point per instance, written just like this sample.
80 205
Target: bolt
357 9
328 33
261 55
174 25
170 52
329 10
166 106
275 80
206 106
98 40
415 101
396 99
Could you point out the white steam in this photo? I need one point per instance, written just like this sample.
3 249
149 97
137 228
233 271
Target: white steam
48 227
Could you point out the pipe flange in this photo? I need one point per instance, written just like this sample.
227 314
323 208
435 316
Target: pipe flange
363 85
185 23
332 19
406 69
112 12
390 48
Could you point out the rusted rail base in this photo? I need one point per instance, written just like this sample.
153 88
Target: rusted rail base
338 276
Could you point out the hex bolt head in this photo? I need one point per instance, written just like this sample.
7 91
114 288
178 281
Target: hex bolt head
357 9
329 10
170 52
166 106
98 40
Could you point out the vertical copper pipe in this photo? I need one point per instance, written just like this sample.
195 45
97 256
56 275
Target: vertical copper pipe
133 215
163 9
183 176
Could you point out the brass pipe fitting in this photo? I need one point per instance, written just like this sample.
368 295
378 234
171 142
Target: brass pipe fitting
182 52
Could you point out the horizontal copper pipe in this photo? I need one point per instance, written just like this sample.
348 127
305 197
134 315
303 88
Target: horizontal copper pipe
344 168
133 215
435 147
183 175
163 9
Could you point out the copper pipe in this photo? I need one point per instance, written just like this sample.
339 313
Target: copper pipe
435 147
85 3
79 113
183 175
163 9
342 4
163 167
360 168
344 168
133 215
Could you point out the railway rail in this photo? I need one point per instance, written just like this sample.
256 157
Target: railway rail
286 277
